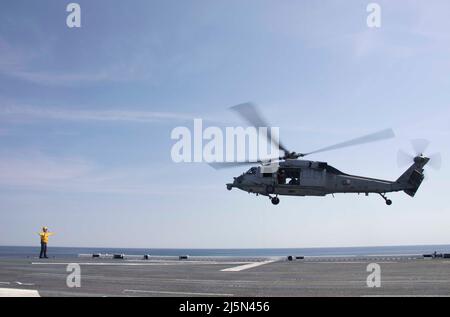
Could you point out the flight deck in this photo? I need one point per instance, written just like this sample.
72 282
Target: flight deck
402 275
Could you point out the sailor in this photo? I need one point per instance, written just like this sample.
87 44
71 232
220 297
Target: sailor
44 240
281 177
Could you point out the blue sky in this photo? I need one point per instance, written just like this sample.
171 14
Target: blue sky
86 116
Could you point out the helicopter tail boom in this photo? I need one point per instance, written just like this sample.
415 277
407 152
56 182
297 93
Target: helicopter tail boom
413 177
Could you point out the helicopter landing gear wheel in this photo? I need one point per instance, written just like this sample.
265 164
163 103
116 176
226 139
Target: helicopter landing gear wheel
275 200
388 201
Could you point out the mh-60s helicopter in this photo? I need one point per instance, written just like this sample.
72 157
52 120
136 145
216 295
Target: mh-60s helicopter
297 177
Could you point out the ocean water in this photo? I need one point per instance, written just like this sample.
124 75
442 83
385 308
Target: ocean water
67 252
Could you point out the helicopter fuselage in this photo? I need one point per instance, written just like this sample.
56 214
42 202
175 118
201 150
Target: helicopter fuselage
310 178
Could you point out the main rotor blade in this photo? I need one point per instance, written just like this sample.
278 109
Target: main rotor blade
224 165
378 136
420 146
252 115
435 161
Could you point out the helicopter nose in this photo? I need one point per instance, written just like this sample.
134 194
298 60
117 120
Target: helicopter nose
238 180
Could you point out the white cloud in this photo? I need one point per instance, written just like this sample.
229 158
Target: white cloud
61 79
10 58
116 73
36 171
47 113
20 63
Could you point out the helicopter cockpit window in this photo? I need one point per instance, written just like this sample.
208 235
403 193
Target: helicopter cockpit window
252 171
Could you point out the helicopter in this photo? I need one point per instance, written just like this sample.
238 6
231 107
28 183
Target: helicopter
291 175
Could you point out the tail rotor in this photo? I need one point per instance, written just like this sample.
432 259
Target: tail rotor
419 146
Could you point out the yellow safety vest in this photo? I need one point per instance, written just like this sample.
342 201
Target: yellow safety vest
45 235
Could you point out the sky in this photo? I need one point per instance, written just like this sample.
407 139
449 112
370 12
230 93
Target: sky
86 116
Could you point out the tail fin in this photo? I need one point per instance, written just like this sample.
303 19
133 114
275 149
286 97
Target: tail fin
413 177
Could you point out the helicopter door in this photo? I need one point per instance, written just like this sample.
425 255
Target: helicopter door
289 176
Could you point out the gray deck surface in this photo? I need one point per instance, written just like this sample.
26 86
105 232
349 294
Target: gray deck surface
400 276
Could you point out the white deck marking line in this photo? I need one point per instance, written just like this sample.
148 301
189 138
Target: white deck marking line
186 261
138 264
356 262
405 295
247 266
100 264
5 283
12 292
174 293
24 284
